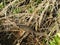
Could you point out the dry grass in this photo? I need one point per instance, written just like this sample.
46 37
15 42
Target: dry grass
36 22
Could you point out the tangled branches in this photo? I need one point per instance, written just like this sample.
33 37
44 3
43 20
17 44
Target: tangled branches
29 18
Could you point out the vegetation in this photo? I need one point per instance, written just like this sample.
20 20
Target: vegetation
55 40
29 22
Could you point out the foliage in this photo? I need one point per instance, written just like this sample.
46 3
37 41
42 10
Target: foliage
1 5
55 41
16 10
34 20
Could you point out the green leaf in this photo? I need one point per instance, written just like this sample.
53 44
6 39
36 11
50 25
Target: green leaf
55 41
1 5
16 10
52 43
